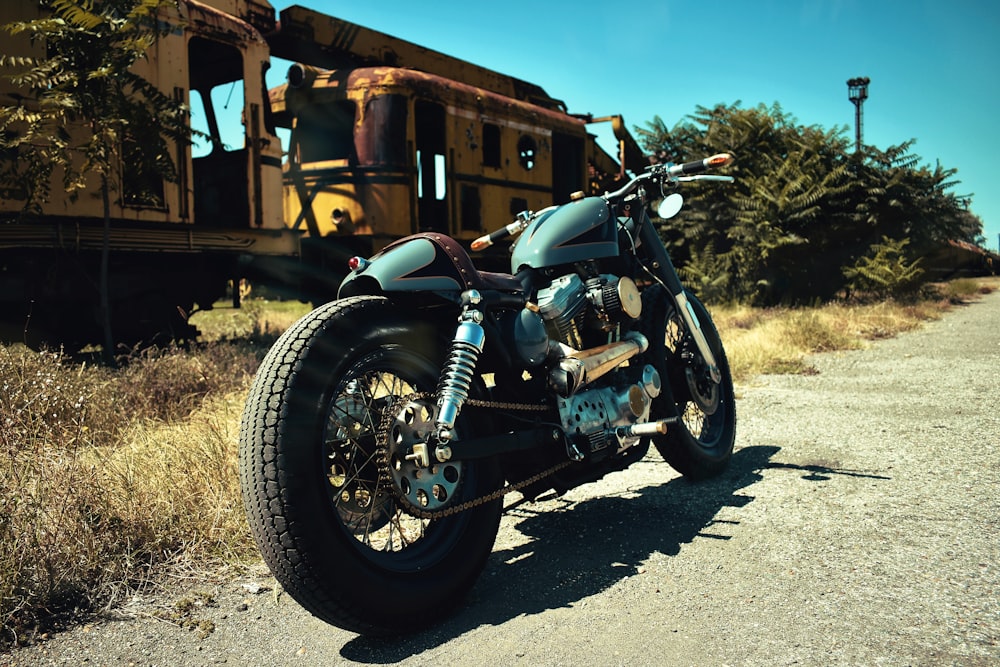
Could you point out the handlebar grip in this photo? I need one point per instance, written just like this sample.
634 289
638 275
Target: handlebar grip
486 241
698 166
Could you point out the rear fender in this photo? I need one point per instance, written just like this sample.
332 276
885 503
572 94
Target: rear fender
420 263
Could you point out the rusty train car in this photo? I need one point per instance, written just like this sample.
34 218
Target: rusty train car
386 138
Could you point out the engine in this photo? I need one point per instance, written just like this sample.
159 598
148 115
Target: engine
563 305
597 415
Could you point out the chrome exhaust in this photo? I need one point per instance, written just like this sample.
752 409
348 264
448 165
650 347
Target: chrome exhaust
579 368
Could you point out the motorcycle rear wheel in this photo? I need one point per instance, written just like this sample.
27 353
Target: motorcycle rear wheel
700 445
319 498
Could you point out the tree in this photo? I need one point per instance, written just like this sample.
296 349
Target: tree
85 113
803 209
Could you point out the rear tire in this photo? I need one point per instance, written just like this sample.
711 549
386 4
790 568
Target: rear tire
700 445
320 505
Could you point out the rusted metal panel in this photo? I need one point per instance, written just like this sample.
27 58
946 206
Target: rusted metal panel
305 35
213 23
432 87
258 13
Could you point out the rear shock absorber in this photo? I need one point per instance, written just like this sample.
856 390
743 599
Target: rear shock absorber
460 368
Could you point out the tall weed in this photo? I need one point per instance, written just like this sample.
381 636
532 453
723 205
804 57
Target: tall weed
105 475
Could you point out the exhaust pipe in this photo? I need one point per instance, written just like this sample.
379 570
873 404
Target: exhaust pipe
581 367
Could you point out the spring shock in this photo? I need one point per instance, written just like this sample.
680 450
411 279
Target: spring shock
460 368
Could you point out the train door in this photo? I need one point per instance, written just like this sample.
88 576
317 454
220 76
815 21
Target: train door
432 176
220 163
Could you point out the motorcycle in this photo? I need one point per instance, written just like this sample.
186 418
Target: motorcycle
384 429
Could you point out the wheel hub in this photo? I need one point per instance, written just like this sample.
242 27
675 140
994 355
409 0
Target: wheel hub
704 390
364 504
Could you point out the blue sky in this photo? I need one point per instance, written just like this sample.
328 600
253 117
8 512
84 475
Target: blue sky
934 65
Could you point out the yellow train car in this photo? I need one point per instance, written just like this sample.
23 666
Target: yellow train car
388 138
387 152
173 246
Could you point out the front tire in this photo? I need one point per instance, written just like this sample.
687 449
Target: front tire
318 498
700 445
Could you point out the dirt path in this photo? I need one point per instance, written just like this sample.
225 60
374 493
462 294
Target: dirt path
858 525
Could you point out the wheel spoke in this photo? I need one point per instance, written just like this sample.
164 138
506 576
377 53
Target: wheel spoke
364 502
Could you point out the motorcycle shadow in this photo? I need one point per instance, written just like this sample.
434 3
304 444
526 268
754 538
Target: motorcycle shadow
574 550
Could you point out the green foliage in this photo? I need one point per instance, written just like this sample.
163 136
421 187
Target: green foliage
86 82
885 271
802 208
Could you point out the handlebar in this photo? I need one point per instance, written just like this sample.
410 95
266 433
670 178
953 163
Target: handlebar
676 172
698 166
671 173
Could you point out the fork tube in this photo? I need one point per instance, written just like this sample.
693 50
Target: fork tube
664 269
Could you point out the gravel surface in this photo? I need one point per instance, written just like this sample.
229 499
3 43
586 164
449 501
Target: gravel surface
858 525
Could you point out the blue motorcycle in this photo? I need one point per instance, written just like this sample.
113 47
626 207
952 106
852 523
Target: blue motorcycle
384 428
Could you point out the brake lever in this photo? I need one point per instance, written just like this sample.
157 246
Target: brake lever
704 177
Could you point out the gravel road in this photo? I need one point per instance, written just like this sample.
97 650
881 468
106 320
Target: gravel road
859 525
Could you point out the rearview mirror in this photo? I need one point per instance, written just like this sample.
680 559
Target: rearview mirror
670 206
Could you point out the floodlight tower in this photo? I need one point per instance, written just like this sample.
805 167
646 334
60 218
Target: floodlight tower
857 92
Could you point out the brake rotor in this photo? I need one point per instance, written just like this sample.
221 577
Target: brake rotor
704 391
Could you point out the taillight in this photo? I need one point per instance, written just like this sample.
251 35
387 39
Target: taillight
357 263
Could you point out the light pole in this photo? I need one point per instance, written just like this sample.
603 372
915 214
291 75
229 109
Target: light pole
857 92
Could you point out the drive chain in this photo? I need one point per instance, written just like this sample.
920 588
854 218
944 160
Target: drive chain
414 510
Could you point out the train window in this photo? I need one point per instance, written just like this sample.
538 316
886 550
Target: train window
491 145
325 132
431 173
527 152
216 97
220 169
432 176
471 209
217 109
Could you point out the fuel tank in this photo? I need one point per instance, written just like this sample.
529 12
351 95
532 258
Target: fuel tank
573 232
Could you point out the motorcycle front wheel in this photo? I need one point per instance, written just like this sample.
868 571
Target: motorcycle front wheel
700 445
324 491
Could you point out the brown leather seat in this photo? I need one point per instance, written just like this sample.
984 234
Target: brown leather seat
473 277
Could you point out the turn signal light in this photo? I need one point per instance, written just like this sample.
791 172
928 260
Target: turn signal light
720 160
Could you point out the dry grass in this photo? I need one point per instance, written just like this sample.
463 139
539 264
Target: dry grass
257 319
109 479
106 476
780 340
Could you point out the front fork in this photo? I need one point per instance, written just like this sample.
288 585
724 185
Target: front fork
668 274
